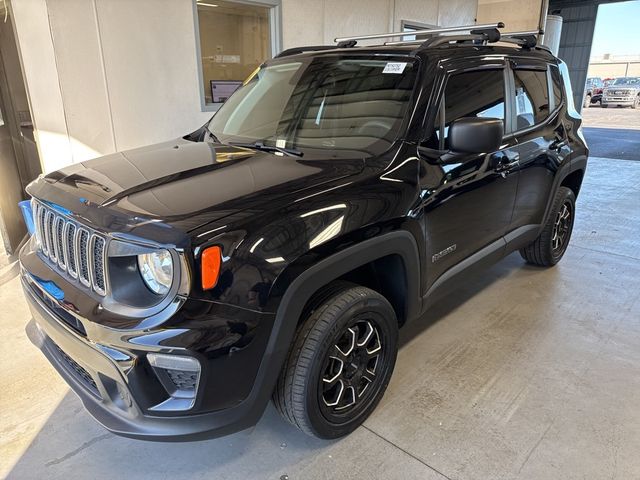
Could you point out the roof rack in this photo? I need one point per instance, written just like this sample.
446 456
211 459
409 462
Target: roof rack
527 39
478 34
428 31
475 35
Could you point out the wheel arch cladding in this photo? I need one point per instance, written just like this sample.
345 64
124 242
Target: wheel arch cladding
573 181
298 293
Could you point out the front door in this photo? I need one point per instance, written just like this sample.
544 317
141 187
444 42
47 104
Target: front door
468 200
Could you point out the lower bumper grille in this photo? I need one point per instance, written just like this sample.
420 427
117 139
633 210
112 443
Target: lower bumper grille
79 372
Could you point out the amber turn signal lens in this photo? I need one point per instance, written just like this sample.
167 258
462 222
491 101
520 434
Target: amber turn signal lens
211 260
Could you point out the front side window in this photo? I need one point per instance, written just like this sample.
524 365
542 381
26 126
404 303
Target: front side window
341 105
532 97
234 41
471 94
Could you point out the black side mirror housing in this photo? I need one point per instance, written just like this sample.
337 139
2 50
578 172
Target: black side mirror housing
476 135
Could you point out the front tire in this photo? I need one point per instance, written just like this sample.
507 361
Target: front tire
549 247
587 101
340 363
636 103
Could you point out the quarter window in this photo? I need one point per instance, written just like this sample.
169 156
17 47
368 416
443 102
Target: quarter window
556 84
532 97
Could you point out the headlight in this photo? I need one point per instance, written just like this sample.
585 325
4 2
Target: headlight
156 270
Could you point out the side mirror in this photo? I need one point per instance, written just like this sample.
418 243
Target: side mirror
475 135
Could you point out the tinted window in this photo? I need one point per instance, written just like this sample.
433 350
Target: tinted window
556 84
532 97
347 106
470 94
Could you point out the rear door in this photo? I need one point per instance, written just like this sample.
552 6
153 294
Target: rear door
467 201
541 135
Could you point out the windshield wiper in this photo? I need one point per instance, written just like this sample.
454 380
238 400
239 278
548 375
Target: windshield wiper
259 145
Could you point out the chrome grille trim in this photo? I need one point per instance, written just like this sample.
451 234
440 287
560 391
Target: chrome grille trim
58 229
48 225
96 263
74 249
70 250
82 247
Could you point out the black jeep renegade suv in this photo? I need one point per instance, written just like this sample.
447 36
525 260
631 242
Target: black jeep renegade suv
275 252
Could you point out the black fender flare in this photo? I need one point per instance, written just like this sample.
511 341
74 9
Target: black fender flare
302 288
567 169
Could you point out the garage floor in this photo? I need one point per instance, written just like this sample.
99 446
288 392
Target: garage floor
523 373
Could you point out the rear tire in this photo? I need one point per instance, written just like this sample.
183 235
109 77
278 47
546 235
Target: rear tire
340 362
604 105
549 247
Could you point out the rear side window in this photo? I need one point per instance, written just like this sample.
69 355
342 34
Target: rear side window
532 97
470 94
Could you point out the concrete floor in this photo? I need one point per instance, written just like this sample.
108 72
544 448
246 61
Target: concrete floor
524 373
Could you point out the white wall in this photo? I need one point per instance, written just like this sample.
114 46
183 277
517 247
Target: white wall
517 15
317 22
108 75
41 76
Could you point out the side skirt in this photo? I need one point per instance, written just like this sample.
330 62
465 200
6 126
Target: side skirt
480 260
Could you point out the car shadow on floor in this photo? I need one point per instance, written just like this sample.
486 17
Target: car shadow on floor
473 285
72 445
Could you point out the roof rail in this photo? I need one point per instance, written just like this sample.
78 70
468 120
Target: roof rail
310 48
431 31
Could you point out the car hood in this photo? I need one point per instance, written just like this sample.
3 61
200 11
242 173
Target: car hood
187 184
611 88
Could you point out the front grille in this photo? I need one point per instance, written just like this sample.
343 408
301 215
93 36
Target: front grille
73 248
183 379
78 371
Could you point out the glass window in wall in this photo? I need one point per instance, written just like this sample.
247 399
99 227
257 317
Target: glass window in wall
234 41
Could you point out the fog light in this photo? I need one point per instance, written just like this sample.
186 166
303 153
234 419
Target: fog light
180 377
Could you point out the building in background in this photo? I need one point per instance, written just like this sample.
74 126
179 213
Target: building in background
610 66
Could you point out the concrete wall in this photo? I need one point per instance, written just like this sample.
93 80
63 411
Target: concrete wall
578 24
107 75
517 15
41 76
317 22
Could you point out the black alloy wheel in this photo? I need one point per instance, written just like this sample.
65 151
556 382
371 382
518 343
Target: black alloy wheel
350 369
561 227
552 243
340 363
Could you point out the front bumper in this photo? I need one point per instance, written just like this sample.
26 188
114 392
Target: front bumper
114 383
618 101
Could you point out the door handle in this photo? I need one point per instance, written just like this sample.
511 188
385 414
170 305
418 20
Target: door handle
558 144
503 162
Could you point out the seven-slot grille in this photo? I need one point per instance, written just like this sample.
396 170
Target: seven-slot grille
74 249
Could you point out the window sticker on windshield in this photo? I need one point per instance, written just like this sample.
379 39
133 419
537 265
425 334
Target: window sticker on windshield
394 67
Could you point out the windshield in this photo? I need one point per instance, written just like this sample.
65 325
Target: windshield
343 106
627 81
